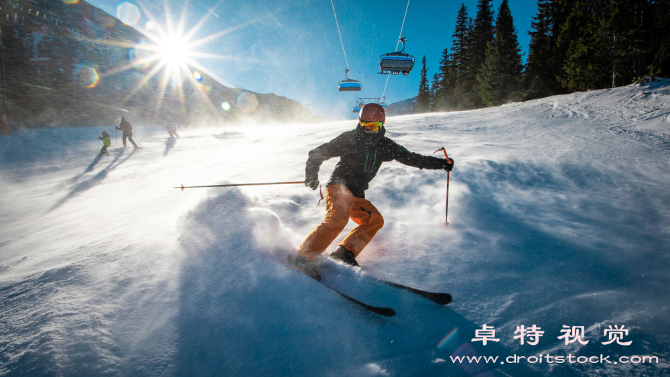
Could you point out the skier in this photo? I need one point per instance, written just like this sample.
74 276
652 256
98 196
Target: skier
127 132
171 127
361 152
106 142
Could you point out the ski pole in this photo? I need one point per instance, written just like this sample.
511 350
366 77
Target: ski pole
320 193
446 215
136 140
116 139
182 187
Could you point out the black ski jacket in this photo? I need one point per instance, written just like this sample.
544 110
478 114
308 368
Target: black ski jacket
361 155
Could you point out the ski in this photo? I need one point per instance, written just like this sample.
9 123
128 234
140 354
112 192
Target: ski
436 297
386 312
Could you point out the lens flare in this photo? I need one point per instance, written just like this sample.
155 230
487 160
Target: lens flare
141 56
197 75
449 337
225 106
70 1
87 76
247 102
206 88
128 13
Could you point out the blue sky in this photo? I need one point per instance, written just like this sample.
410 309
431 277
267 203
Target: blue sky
293 49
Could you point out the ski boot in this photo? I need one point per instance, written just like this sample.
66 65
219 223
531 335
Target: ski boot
304 265
343 255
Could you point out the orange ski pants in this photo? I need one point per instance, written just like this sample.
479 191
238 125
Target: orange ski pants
341 205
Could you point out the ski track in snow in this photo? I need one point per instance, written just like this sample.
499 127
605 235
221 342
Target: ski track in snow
558 211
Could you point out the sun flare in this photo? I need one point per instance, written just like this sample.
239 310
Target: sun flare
173 51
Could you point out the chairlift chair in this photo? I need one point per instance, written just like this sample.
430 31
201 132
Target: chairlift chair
396 62
349 85
359 106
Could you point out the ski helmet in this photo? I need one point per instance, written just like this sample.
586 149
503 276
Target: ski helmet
372 112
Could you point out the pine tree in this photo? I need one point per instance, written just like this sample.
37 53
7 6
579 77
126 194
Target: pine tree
423 99
490 78
659 55
592 44
587 60
545 56
434 90
459 70
445 89
500 77
482 35
539 78
469 74
627 33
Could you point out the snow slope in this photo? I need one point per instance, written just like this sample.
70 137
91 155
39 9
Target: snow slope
559 216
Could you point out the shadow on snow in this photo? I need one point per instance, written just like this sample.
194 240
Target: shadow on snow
93 181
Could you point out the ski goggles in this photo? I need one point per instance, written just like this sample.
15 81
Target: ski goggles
372 126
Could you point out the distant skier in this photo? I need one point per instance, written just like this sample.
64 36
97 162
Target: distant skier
171 127
127 132
106 142
361 152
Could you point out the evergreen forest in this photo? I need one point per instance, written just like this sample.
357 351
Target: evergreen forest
575 45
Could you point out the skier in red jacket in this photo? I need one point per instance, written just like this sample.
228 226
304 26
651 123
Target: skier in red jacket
362 152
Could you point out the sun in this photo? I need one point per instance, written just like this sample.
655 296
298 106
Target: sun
173 51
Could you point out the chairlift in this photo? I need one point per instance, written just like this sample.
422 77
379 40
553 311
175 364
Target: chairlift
349 85
359 106
396 62
382 103
364 101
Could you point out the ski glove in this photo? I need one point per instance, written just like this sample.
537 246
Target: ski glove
448 167
312 183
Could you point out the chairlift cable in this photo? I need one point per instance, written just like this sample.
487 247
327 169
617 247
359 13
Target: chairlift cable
385 85
340 33
396 44
403 25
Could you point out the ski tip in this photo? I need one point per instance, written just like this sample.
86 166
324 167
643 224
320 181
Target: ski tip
386 312
441 298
